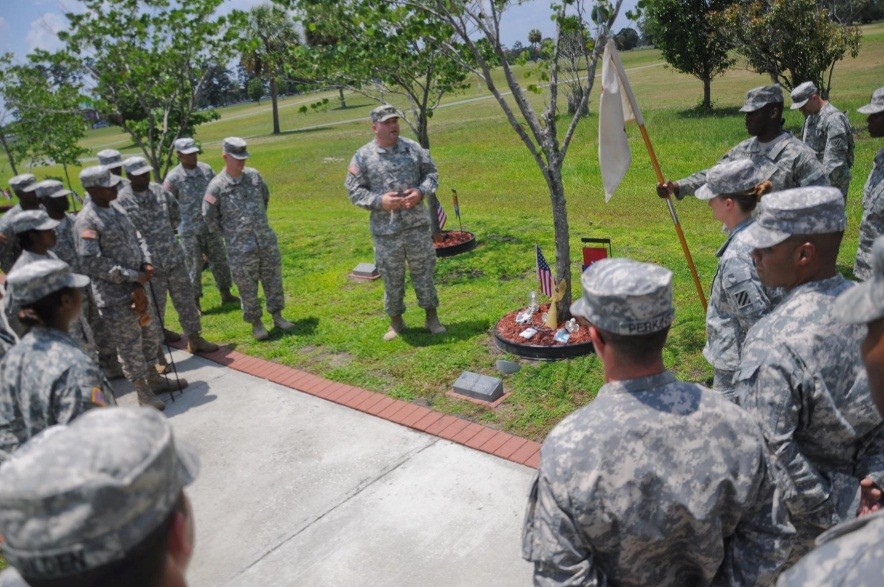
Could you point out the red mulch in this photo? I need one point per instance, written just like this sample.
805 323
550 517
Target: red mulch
451 238
509 330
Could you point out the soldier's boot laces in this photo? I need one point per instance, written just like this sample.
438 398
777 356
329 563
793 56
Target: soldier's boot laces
397 325
169 336
228 298
198 344
258 331
282 323
160 384
432 323
146 396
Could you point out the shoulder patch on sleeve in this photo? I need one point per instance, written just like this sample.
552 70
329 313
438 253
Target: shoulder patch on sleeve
210 199
89 233
97 397
354 169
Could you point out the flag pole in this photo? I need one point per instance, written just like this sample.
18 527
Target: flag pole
639 119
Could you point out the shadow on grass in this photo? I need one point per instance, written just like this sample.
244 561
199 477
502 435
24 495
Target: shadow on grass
456 331
304 131
696 112
303 327
220 309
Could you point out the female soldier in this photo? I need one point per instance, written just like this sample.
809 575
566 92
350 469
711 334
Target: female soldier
46 378
737 299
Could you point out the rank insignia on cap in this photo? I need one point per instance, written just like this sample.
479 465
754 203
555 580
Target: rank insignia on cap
210 199
88 233
353 169
98 397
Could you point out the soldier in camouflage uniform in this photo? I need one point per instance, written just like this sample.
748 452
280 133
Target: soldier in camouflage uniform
155 214
115 257
54 198
235 204
828 133
112 160
788 163
852 553
23 186
737 299
656 481
390 176
799 364
188 182
873 193
46 378
99 502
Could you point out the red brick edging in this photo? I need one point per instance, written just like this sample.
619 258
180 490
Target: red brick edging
495 442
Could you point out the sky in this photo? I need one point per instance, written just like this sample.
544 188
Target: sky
26 25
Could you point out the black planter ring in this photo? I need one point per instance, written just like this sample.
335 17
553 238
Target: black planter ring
542 353
458 248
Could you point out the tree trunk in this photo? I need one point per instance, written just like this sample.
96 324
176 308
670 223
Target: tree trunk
8 153
423 137
275 106
563 246
707 93
341 97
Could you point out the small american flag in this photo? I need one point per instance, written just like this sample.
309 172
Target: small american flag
544 274
456 203
440 213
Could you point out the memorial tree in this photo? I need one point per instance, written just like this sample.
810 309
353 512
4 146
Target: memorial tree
477 25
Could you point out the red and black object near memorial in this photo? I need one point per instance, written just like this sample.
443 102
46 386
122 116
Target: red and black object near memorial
452 242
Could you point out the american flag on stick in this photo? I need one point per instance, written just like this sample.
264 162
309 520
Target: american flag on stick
544 274
440 213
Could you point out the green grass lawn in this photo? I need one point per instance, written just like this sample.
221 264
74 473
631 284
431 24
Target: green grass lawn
505 202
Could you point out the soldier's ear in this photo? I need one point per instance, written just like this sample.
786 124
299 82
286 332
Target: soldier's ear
805 253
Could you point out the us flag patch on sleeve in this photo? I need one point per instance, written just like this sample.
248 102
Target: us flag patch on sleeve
88 233
210 199
98 397
353 169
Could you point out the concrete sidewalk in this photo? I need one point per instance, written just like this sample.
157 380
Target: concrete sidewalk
297 490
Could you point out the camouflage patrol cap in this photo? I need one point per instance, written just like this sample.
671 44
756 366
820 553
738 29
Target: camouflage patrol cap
98 176
37 280
808 210
235 147
762 96
136 166
384 112
51 188
801 94
731 177
32 220
186 146
82 495
110 158
20 182
864 302
626 297
873 107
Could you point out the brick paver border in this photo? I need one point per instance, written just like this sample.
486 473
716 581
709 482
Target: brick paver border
476 436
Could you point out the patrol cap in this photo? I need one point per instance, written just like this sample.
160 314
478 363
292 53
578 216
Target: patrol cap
235 147
626 297
762 96
808 210
98 176
864 302
82 495
186 146
731 177
873 107
110 158
37 280
384 112
51 188
32 220
20 182
801 94
136 166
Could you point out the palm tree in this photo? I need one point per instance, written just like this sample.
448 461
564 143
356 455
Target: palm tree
270 33
535 37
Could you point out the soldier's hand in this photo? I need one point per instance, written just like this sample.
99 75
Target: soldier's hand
412 197
392 201
666 189
139 300
147 268
869 498
3 239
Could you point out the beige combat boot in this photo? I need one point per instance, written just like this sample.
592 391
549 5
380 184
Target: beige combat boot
198 344
282 323
146 397
258 330
432 322
160 384
397 325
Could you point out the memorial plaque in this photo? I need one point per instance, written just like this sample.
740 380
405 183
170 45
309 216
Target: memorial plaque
364 272
480 387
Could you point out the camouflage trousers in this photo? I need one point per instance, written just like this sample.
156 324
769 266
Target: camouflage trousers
101 338
212 245
136 345
871 227
176 282
250 267
413 247
723 383
842 182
